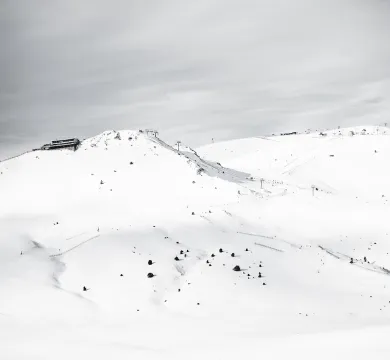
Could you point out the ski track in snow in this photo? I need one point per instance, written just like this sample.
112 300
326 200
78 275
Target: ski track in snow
75 247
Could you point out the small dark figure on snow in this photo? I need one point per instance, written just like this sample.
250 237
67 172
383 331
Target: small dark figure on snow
181 252
212 255
365 259
150 262
121 275
85 289
220 250
150 275
236 268
176 258
246 249
351 261
193 213
259 274
260 265
232 255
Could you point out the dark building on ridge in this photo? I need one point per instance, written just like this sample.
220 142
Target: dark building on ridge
62 144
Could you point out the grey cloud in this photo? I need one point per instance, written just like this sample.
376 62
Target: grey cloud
194 70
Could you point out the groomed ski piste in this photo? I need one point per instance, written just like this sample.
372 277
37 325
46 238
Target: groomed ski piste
125 249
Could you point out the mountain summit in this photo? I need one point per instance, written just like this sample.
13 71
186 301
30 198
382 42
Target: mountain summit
175 250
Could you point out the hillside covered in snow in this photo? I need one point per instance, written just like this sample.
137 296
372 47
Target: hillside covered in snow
268 247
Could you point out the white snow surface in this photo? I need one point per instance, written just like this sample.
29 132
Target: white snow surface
294 208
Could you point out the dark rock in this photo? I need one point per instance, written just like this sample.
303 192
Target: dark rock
176 258
150 262
236 268
232 255
150 275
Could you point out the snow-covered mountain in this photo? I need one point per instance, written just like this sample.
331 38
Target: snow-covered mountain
154 232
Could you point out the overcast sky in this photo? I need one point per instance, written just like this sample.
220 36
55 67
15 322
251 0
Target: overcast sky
193 69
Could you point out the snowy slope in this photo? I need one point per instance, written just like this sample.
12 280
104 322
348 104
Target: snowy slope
95 217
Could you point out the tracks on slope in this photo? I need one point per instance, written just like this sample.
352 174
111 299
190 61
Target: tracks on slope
74 247
359 263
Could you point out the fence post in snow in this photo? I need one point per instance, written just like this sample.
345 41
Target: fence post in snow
313 188
178 145
261 182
